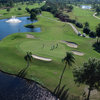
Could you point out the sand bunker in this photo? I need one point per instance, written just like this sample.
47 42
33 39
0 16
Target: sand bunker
70 44
30 36
77 53
41 58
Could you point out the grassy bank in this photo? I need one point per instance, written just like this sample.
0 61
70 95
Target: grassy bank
13 48
83 16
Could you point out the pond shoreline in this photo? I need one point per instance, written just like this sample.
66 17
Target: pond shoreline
16 27
30 81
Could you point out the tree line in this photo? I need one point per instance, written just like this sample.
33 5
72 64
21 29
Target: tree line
76 1
10 3
57 11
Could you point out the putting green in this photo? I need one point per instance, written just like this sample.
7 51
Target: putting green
44 48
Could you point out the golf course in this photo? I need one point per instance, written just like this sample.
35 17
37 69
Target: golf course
51 44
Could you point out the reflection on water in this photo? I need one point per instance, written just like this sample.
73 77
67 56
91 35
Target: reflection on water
15 88
86 6
9 28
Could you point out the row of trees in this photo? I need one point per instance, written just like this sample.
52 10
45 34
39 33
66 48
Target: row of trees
98 10
92 34
76 1
10 3
96 7
57 12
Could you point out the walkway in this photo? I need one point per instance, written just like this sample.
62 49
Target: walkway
94 15
73 27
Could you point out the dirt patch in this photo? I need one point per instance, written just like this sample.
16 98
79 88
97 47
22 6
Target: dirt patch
77 53
94 94
30 36
41 58
70 44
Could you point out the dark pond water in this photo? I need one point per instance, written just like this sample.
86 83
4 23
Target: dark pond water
15 88
9 28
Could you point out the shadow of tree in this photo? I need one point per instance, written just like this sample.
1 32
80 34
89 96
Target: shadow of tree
23 72
62 94
96 46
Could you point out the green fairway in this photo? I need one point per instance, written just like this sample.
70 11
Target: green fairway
83 16
13 48
15 12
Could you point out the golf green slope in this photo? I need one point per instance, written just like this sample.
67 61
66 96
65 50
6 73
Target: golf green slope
13 48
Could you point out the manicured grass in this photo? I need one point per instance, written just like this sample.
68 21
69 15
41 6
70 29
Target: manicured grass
83 16
15 12
13 48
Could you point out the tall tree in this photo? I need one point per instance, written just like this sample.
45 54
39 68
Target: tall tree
86 24
98 32
28 58
68 60
88 74
33 16
98 9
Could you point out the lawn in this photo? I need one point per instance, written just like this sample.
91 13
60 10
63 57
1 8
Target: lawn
13 48
83 16
15 12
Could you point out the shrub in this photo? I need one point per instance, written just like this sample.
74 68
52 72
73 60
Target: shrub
27 9
96 46
92 34
33 16
79 25
8 9
36 11
19 8
86 30
86 24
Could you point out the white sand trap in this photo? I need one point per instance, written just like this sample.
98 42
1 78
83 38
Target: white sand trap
30 36
41 58
77 53
70 44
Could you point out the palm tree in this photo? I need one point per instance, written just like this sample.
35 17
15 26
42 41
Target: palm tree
98 32
68 60
28 58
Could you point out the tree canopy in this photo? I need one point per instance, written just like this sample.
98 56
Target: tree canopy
88 74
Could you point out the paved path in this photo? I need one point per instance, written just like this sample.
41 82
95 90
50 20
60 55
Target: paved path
94 15
73 27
